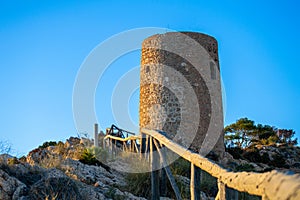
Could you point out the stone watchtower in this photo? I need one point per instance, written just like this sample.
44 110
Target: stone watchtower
180 90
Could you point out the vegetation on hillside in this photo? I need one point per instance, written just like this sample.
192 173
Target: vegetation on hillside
244 133
248 141
47 144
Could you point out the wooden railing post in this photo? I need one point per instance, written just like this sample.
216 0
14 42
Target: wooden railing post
171 178
195 182
163 179
147 148
222 191
130 146
142 145
136 147
113 142
96 142
110 146
154 161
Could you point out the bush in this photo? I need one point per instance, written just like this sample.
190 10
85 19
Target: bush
245 168
12 161
93 156
47 144
181 167
88 157
253 155
139 184
208 184
51 161
212 156
22 159
55 188
111 193
236 152
278 161
101 154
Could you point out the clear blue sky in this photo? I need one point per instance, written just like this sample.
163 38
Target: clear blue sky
43 44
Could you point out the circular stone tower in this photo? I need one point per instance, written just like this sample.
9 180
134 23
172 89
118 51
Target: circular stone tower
180 90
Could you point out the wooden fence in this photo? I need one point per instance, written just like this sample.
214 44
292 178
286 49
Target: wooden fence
268 185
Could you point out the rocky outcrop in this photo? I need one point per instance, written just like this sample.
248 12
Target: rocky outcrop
10 187
55 172
263 158
55 188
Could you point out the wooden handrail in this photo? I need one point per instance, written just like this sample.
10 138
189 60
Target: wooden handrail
135 137
268 185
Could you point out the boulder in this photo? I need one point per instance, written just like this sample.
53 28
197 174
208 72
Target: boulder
10 187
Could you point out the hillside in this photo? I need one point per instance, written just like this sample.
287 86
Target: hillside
55 172
66 171
264 158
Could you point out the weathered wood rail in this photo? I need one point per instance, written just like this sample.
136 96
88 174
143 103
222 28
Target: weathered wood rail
125 142
268 185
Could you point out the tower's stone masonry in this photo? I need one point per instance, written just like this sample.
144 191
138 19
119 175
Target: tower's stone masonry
180 91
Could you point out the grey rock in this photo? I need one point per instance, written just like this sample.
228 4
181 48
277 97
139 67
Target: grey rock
55 188
10 187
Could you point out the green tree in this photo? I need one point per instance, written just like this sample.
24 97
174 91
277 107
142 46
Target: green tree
240 133
286 136
265 135
244 133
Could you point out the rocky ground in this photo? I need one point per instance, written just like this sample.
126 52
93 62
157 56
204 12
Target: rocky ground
56 172
262 158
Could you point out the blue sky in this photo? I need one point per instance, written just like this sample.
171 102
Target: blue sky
44 43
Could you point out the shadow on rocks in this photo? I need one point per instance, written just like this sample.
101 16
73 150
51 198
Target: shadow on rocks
55 188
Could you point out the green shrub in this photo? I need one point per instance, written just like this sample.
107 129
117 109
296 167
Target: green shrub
139 184
253 155
12 161
245 168
51 161
212 156
181 167
47 144
88 157
278 161
22 159
111 193
101 154
235 152
208 184
93 156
